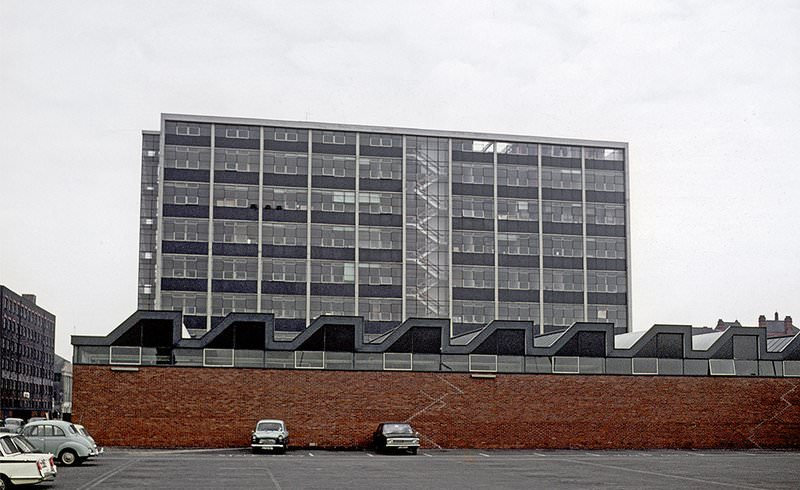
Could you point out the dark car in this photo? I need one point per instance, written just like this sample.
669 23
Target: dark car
397 436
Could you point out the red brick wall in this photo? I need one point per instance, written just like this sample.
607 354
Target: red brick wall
196 407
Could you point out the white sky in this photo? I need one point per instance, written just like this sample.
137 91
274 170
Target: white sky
707 93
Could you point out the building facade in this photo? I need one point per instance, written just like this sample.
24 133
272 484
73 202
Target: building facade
306 219
27 353
62 389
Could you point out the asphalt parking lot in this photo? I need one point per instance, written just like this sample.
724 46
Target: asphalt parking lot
456 469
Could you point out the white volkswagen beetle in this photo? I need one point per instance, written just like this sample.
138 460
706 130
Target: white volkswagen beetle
270 434
21 465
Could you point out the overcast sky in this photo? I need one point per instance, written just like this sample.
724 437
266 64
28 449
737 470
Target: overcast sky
707 93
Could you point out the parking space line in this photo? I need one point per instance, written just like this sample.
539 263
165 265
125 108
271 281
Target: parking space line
426 454
311 454
272 477
370 455
484 455
102 478
665 475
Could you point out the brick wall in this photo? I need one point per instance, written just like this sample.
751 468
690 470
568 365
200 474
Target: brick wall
197 407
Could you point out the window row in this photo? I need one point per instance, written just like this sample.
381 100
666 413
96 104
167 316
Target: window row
473 276
295 234
480 312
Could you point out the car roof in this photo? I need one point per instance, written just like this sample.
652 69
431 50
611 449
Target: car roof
49 422
270 420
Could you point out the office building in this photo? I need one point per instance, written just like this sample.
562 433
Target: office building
304 219
27 353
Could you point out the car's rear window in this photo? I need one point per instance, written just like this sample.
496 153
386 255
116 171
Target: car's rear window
23 444
268 426
8 446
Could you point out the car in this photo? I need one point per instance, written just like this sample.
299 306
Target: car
21 464
36 419
62 439
270 434
14 424
85 433
395 436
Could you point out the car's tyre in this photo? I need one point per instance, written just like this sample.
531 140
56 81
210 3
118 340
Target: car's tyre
414 450
5 483
68 457
255 450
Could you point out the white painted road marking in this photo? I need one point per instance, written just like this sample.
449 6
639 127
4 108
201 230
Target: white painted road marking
656 473
484 455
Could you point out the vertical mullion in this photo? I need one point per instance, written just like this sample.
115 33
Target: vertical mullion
160 217
583 235
541 240
210 267
496 254
358 208
403 235
308 231
449 229
260 216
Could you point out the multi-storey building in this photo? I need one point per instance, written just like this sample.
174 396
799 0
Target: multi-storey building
305 219
27 352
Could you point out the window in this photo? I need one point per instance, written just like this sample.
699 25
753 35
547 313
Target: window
237 133
722 367
380 168
483 363
119 354
184 130
8 447
644 365
333 165
309 359
380 141
186 157
281 135
285 270
288 234
791 368
218 357
561 151
566 365
333 139
475 146
473 241
285 163
397 361
339 236
516 148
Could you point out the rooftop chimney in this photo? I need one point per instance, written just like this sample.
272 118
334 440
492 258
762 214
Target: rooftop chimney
776 316
787 325
762 321
29 297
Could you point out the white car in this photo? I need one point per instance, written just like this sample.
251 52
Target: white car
21 465
270 434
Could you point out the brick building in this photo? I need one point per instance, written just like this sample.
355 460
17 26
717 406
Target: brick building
504 386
